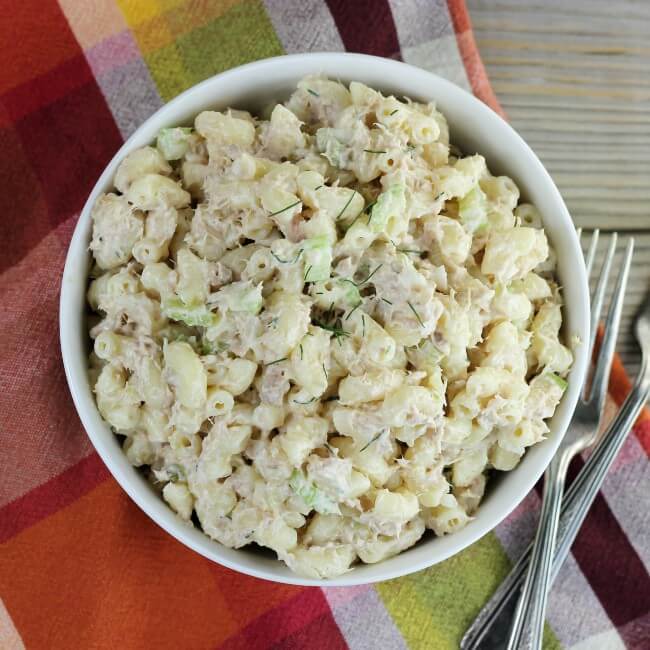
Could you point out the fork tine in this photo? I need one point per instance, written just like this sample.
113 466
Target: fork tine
608 346
599 292
592 251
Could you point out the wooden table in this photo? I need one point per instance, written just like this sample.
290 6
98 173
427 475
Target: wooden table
574 79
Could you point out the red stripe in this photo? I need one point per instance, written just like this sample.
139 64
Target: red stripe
283 626
322 632
50 497
642 431
610 563
47 88
366 26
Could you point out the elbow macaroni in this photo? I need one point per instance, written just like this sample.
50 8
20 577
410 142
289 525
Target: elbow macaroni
319 331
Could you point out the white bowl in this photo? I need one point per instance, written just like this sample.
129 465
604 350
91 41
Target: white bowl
474 128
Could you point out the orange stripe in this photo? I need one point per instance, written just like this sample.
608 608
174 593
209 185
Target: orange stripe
99 572
249 598
471 59
619 387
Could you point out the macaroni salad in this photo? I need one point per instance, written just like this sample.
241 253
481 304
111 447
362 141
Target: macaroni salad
321 332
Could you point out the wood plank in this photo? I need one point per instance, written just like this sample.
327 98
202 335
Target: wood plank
573 81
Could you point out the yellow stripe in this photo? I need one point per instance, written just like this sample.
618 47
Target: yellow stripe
433 608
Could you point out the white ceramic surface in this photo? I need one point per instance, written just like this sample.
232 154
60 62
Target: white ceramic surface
474 128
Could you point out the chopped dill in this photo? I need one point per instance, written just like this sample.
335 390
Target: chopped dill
368 278
309 268
325 371
337 331
377 436
363 323
353 309
406 251
293 261
345 207
393 112
408 302
300 351
374 151
312 92
270 363
313 399
293 205
387 301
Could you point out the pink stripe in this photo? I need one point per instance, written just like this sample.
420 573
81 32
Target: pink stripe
342 595
47 499
636 634
113 52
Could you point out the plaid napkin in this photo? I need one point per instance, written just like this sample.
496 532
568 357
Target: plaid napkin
80 565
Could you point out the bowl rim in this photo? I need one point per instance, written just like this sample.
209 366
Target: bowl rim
69 318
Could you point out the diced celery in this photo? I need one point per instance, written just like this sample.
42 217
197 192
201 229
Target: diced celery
240 296
472 210
197 315
201 345
390 204
174 143
425 356
330 146
311 495
317 258
350 292
562 383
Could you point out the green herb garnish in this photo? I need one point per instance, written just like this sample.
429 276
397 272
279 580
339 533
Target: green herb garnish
312 92
374 151
353 309
408 302
270 363
309 268
406 251
395 111
387 301
293 205
345 207
313 399
337 331
295 259
300 346
381 433
368 278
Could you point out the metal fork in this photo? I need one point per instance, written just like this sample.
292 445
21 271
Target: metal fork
493 622
499 608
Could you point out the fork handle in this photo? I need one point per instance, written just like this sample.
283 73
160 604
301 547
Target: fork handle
494 620
528 625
